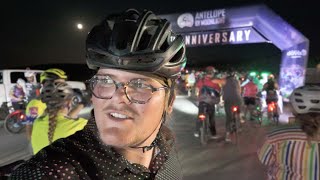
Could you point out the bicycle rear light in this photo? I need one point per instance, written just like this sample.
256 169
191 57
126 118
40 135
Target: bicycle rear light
202 117
235 108
22 116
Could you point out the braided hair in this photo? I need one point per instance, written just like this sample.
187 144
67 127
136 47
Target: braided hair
55 95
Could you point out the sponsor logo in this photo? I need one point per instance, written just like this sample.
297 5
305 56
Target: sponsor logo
297 53
203 18
185 20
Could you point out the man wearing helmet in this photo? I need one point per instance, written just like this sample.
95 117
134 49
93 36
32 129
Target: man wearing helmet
293 152
132 95
18 95
32 87
209 91
232 97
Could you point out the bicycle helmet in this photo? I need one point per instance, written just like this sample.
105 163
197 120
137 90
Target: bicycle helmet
52 74
29 73
21 82
210 70
56 94
306 99
137 41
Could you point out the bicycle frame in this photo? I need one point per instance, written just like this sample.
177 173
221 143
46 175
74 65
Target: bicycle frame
235 110
273 112
16 118
203 117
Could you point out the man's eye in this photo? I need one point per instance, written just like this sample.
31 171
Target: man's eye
140 84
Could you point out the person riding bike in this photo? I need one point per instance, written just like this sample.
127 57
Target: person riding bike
208 95
250 91
292 152
18 95
271 87
232 97
36 107
32 87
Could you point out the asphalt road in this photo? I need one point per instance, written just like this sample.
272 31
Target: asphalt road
218 160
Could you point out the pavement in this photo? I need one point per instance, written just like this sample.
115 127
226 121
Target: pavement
219 159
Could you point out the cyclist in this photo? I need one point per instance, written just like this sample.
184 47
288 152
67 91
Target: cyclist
191 80
133 92
292 152
55 123
250 91
271 87
36 107
17 95
232 97
205 87
32 87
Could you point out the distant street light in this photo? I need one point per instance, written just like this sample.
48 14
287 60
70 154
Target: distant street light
79 26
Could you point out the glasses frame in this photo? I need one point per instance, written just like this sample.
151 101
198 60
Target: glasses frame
119 85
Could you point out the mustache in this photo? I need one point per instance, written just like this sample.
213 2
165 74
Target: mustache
126 109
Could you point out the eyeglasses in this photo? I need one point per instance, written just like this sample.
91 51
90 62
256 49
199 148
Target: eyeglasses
136 90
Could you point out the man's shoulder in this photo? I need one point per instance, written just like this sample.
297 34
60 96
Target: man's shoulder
53 161
286 133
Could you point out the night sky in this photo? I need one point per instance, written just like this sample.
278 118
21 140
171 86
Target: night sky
44 32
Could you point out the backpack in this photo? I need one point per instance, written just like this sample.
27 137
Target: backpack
209 95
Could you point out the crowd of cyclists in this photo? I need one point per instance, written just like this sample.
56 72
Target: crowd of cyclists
230 88
127 137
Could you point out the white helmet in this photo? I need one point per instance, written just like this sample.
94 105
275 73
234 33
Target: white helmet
29 74
306 99
21 82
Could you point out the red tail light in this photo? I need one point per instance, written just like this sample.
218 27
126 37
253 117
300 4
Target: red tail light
202 117
271 107
235 108
22 116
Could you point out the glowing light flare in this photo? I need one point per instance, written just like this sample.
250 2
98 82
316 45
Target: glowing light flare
79 26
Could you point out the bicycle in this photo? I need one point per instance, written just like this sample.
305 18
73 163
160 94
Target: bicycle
235 122
257 111
203 118
273 114
15 121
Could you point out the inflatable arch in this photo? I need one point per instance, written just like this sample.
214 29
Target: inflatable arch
248 24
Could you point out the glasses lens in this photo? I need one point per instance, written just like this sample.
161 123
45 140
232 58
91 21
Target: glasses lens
139 90
102 86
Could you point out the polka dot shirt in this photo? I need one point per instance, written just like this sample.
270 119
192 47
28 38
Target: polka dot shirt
84 156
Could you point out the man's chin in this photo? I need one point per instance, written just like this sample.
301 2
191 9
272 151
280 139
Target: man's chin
114 137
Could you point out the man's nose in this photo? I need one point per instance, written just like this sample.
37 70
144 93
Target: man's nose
121 94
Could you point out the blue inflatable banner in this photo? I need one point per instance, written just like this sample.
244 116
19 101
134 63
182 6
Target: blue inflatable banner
243 25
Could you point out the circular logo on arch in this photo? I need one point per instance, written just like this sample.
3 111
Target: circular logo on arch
185 20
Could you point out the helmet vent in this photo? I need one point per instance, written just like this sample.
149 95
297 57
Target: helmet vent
299 100
297 94
315 109
315 101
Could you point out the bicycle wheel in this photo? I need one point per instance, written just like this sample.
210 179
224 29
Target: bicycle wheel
13 123
204 131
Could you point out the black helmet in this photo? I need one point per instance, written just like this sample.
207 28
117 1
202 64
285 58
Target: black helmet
56 94
138 41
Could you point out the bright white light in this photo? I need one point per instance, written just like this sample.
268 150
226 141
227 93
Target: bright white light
184 105
79 26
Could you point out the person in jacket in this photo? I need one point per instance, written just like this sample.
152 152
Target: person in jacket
292 152
136 63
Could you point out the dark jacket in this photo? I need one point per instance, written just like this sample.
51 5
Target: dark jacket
84 156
